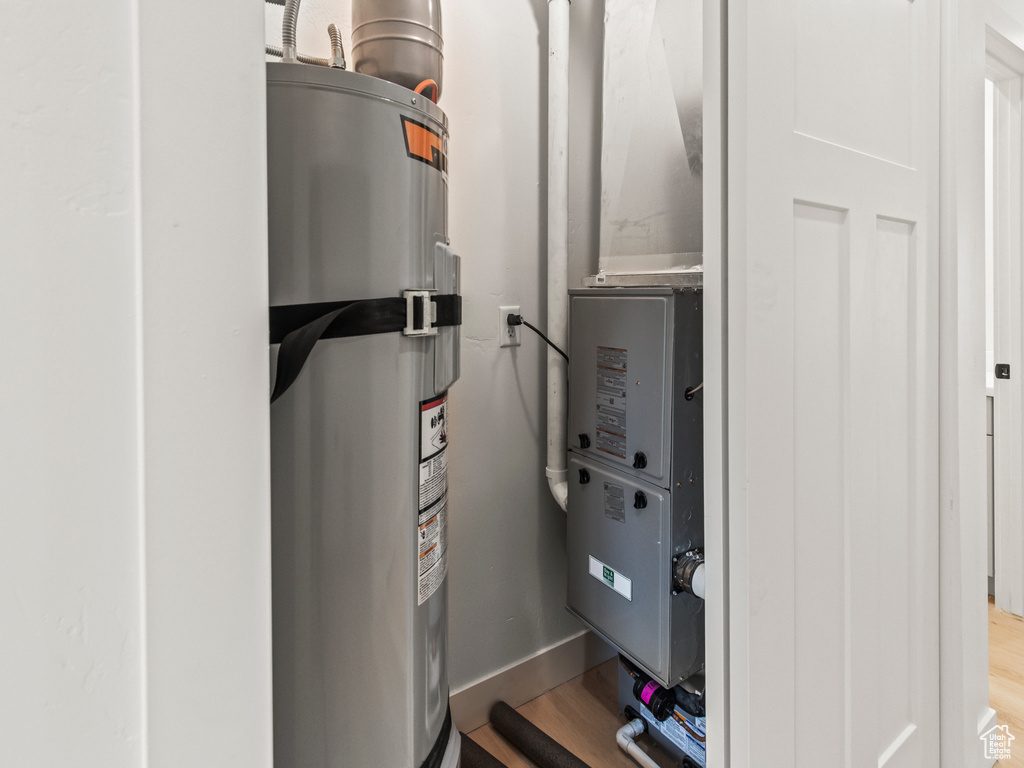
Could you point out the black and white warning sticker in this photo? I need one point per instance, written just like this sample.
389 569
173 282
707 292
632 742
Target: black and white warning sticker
432 517
611 401
615 502
433 549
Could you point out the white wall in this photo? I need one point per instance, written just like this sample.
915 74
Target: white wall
71 638
507 574
205 381
134 503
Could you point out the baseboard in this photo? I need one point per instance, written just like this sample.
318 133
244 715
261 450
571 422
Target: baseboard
528 679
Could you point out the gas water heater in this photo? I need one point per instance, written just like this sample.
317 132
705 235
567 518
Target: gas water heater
358 242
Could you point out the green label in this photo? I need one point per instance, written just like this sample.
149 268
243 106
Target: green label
609 575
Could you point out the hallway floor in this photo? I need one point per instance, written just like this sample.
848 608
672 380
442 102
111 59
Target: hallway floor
1006 676
583 713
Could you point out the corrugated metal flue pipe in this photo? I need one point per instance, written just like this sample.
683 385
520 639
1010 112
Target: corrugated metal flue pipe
475 756
530 740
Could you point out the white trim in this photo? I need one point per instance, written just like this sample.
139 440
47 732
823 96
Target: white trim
962 527
1005 68
716 622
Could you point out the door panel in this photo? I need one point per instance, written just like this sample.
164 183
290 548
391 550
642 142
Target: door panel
833 357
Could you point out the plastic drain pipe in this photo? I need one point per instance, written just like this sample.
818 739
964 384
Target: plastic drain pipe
558 244
624 738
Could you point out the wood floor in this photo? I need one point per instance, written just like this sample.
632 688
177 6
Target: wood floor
583 714
1006 676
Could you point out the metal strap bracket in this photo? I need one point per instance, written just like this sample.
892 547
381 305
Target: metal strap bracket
420 313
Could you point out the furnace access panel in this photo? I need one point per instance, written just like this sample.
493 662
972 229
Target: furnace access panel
636 485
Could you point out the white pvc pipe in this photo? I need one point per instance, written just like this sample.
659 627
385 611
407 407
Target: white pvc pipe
558 243
697 581
624 738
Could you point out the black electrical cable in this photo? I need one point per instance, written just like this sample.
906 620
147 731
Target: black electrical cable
518 320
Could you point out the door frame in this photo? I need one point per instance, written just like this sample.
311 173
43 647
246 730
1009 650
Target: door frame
1005 68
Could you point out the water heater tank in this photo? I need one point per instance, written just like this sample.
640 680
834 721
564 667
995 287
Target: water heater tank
358 210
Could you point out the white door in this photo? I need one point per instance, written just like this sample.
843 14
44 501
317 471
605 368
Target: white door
1005 98
832 289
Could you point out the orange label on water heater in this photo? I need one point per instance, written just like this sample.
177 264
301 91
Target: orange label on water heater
424 144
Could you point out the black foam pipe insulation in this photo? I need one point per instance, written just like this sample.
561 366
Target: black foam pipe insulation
531 740
475 756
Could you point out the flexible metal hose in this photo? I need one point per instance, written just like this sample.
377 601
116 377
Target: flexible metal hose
335 34
289 23
337 51
337 47
288 50
273 50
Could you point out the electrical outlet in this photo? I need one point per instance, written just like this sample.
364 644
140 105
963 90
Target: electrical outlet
508 335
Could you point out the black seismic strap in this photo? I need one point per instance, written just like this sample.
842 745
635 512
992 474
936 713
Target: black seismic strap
530 740
298 327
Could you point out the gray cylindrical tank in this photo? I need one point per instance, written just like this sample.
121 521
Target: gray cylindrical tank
398 40
358 210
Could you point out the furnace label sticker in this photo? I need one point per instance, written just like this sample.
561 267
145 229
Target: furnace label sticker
615 502
611 401
432 515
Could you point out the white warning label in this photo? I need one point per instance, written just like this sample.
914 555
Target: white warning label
433 479
432 514
433 549
433 427
611 401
